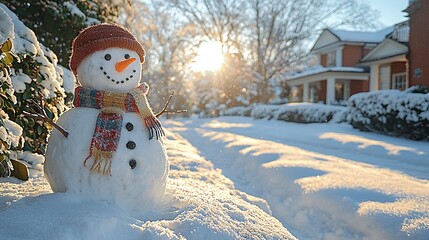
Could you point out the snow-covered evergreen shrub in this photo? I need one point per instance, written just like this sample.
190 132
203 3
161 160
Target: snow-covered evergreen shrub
391 112
10 132
310 113
264 111
34 74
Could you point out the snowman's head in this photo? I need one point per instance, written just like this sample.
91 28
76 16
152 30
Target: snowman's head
107 57
111 69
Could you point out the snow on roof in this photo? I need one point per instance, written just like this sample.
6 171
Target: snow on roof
357 36
320 69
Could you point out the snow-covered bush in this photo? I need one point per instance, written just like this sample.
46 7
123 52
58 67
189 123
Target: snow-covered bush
391 112
238 111
10 132
264 111
57 22
310 113
33 74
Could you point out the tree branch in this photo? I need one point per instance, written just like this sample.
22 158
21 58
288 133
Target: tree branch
164 109
40 114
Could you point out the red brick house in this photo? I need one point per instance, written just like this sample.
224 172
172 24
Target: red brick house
388 61
348 62
418 11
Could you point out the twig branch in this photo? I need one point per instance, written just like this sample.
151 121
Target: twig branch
40 114
164 109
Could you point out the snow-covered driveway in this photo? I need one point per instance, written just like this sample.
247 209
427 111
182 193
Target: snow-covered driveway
322 181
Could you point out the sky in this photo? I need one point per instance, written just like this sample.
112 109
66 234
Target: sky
390 10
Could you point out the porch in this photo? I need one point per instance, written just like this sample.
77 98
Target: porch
329 85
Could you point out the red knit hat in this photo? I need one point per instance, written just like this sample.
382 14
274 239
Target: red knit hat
99 37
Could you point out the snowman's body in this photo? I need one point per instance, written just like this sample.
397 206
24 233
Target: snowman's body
139 167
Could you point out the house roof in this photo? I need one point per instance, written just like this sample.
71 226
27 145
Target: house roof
330 37
319 69
365 37
388 48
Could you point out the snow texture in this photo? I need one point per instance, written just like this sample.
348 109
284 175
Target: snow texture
292 112
322 181
366 37
203 204
413 107
10 133
264 111
25 42
391 112
6 27
310 113
74 10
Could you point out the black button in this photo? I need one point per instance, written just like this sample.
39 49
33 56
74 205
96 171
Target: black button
129 126
133 163
131 145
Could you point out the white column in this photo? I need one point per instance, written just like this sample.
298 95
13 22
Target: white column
374 77
306 90
339 57
330 90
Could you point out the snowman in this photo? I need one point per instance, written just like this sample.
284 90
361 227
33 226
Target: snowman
114 150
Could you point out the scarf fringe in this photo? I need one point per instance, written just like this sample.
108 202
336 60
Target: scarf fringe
102 161
154 126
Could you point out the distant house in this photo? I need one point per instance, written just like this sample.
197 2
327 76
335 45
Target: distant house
388 60
348 62
418 11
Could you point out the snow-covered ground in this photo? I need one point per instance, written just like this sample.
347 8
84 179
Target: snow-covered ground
322 181
241 178
201 204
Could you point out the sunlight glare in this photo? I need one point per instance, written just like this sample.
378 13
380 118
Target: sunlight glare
209 57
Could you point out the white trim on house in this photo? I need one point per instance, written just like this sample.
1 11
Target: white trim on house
327 38
386 49
320 69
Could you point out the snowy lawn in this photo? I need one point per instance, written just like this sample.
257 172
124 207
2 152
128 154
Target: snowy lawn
322 181
201 204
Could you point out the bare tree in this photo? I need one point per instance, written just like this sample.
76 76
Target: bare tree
169 48
216 20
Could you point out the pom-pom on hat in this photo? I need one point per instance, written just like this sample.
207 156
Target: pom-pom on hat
100 37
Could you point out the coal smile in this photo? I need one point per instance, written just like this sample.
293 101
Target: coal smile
114 80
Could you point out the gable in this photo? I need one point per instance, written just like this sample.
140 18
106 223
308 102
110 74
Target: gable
388 48
325 39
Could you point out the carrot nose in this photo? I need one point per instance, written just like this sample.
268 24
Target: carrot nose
120 66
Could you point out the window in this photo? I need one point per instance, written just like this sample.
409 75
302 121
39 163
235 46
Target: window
399 81
339 91
331 59
342 90
296 93
314 88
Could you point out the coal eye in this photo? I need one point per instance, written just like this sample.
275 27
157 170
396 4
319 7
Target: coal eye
127 56
107 57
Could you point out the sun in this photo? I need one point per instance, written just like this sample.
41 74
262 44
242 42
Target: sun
209 57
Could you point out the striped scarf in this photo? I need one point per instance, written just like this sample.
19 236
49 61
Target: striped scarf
108 126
